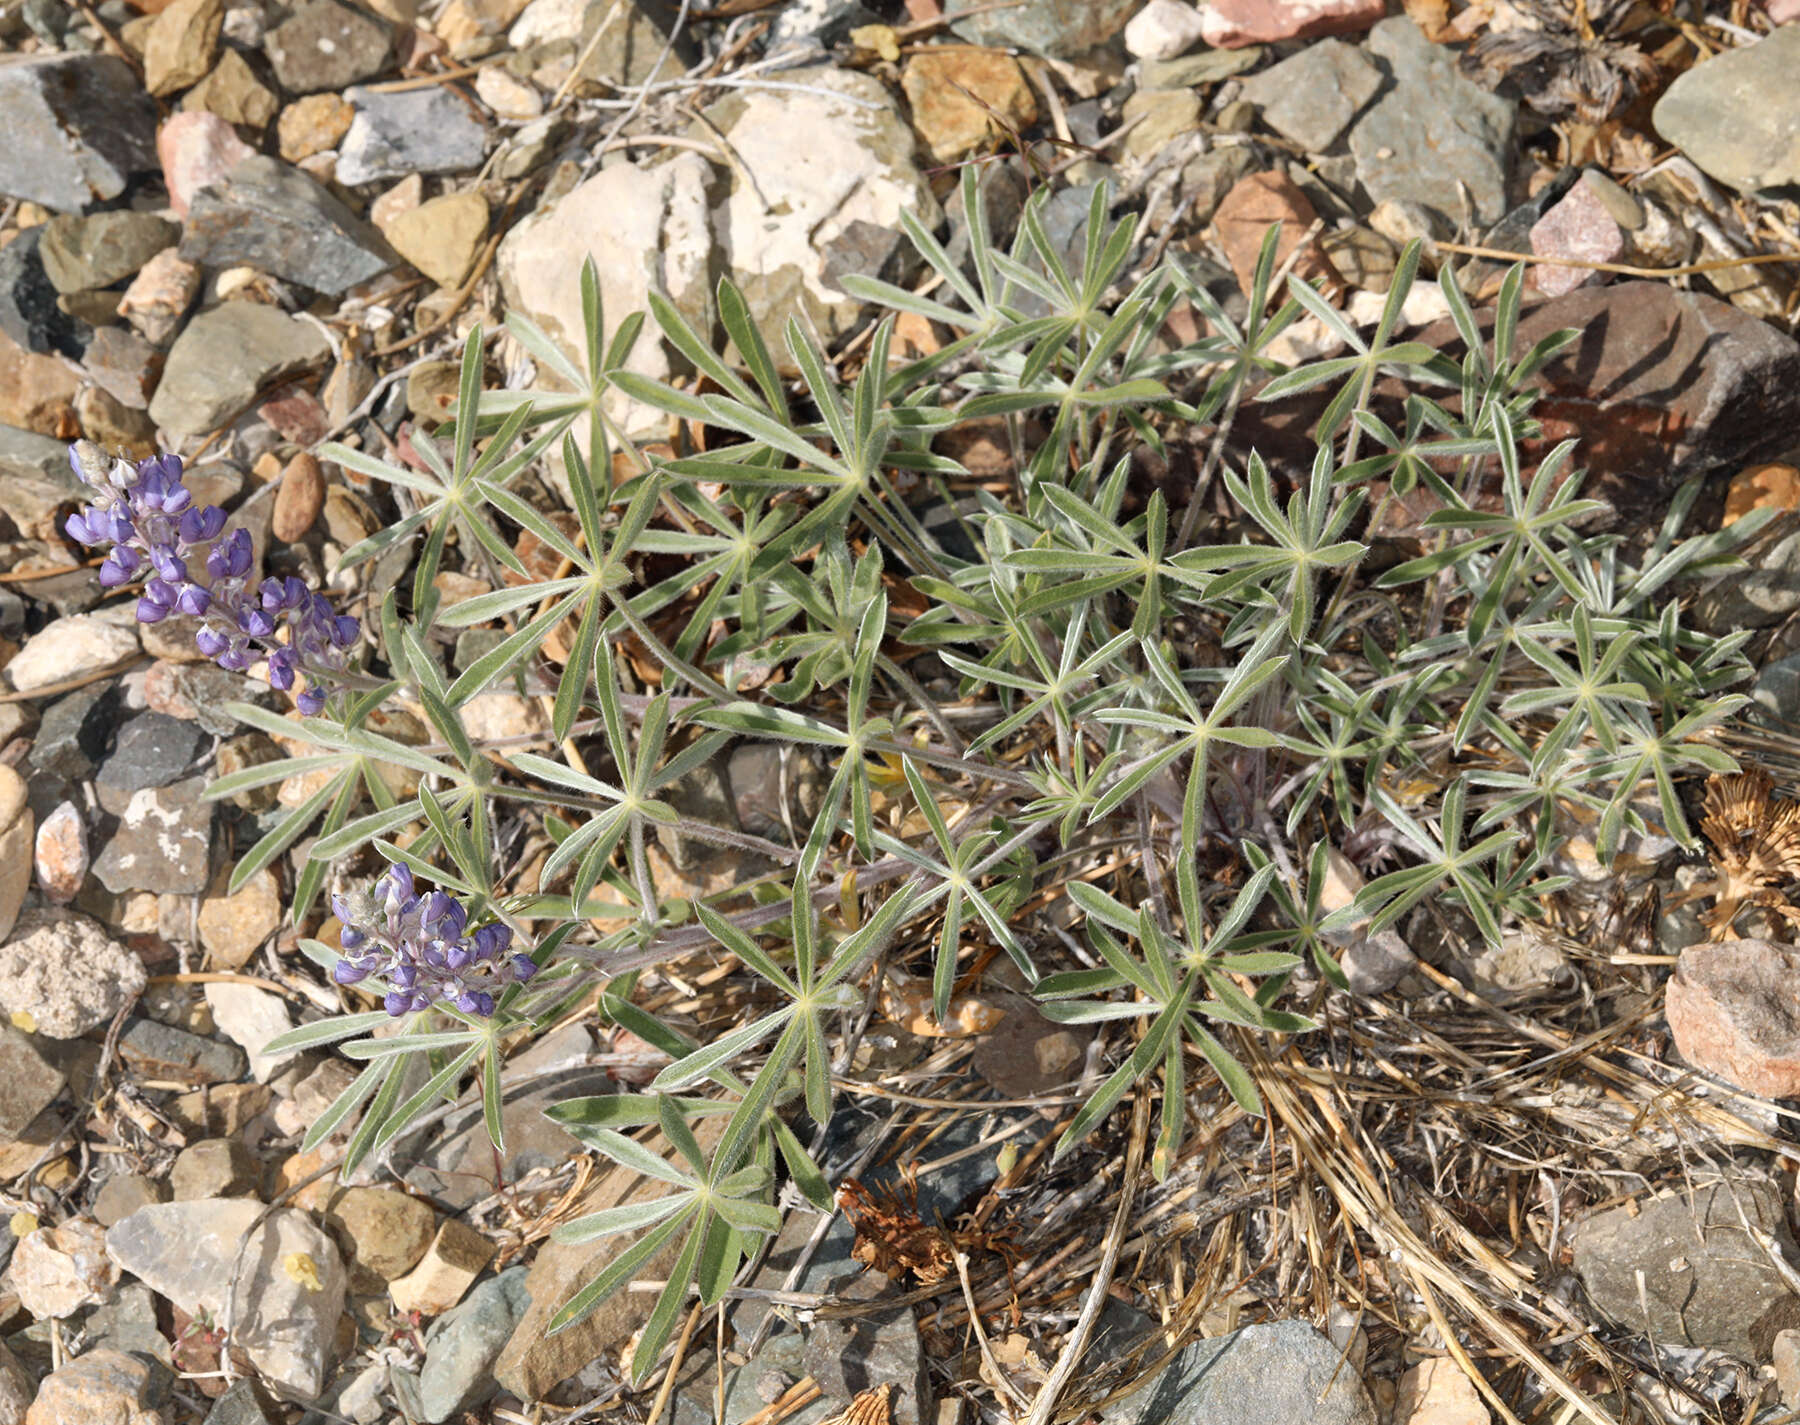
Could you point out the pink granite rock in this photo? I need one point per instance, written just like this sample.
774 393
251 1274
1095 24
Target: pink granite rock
1734 1010
1232 24
1578 226
197 148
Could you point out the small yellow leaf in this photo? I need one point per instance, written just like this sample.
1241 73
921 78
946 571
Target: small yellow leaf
880 38
302 1270
22 1020
23 1224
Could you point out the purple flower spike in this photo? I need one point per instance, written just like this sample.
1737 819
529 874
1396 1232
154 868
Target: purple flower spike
415 942
147 514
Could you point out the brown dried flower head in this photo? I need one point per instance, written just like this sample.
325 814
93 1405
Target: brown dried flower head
1756 848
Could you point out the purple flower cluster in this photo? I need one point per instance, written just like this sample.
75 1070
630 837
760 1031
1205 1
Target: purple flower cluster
147 514
420 944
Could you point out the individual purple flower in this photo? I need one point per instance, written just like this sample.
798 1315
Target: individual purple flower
146 513
419 944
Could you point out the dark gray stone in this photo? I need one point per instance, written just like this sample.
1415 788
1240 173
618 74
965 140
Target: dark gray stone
161 1051
209 688
1277 1373
1777 690
128 1323
802 24
1053 27
326 45
454 1164
152 750
1209 66
38 489
28 310
879 1345
1736 114
225 358
29 1082
1432 129
1312 97
413 131
271 216
96 251
245 1403
78 128
1705 1280
462 1346
72 737
163 844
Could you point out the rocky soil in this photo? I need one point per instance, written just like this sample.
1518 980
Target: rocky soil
239 228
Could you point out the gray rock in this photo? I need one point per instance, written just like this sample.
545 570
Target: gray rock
626 52
1736 114
1313 97
153 750
161 1051
1277 1373
1777 690
78 128
847 1354
326 45
128 1323
96 251
456 1168
289 1294
124 365
1432 129
123 1194
225 357
273 217
163 844
1054 27
1207 67
213 1167
38 489
72 736
245 1403
66 973
801 24
17 1387
414 131
462 1346
29 1082
1758 597
1705 1281
28 310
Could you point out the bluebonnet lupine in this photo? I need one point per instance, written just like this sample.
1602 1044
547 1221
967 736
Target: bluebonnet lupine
420 945
146 513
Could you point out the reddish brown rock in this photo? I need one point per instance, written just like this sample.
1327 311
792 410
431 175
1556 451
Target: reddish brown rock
37 393
1232 24
296 415
1658 386
1244 216
300 498
1734 1010
124 364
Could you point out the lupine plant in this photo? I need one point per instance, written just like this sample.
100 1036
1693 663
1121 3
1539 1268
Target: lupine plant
1087 664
